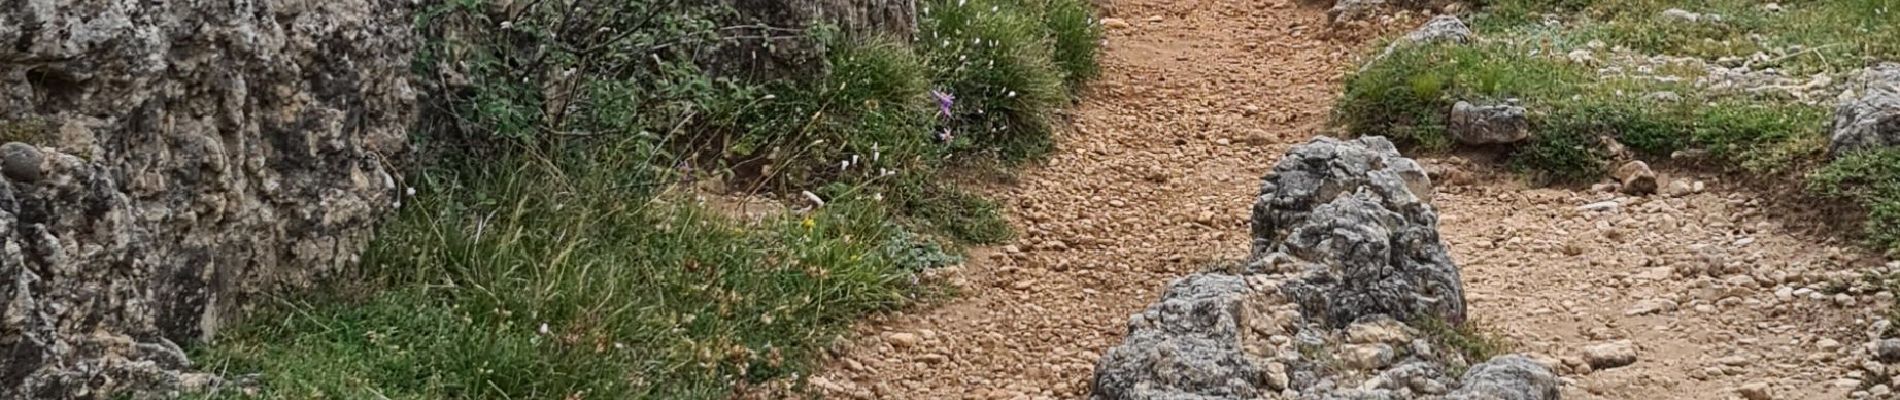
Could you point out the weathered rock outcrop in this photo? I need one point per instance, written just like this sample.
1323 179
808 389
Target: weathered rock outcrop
168 159
1488 124
1871 117
1353 219
1347 264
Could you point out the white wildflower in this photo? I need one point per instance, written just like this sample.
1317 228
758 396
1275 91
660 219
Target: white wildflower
411 191
1012 94
544 328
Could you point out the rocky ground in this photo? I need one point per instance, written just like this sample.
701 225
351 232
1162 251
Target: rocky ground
1701 291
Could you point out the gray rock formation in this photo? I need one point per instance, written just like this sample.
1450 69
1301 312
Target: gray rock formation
1488 124
1353 217
1353 10
1186 346
1441 28
1444 28
1509 377
1870 118
166 160
1344 242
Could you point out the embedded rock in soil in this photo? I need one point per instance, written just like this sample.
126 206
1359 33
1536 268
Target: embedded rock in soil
1871 118
1185 346
1442 28
1353 10
1492 124
1343 244
1508 377
1636 178
172 159
1610 355
1352 217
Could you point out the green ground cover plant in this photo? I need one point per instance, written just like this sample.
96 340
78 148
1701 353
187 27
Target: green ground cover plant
554 245
1523 57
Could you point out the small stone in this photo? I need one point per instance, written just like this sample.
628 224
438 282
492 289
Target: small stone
1610 355
1382 331
1887 350
20 161
1636 177
1733 361
1154 19
1828 345
1650 306
1276 377
1489 124
902 339
1755 391
1679 188
1367 356
1115 23
1681 15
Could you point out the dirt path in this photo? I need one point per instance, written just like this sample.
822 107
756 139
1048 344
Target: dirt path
1715 289
1199 98
1196 100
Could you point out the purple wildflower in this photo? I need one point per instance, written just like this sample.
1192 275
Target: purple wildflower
944 101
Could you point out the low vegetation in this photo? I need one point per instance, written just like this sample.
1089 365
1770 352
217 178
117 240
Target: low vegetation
556 244
1587 70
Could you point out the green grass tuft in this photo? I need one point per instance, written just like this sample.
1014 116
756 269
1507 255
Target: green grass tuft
562 159
994 57
1871 178
642 296
1473 339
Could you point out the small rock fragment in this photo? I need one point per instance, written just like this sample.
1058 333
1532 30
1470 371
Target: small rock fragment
1610 355
1887 350
902 339
1650 306
1492 124
1367 356
1754 391
20 162
1636 177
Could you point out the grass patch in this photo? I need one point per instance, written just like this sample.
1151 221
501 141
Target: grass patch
1525 56
1472 339
1872 179
555 249
568 282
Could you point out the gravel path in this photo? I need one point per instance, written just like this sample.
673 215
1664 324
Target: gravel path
1196 101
